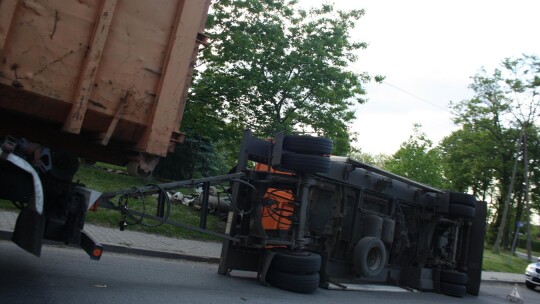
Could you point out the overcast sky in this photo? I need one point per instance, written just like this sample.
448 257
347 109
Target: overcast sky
428 50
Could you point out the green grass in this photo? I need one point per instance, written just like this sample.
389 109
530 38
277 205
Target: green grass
106 178
503 262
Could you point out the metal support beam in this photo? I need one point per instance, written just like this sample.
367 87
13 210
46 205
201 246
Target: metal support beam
204 211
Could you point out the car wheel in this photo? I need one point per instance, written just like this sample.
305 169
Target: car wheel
530 285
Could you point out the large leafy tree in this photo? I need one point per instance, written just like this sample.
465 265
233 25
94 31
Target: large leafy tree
273 67
506 104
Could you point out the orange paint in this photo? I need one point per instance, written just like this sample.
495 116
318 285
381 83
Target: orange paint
275 217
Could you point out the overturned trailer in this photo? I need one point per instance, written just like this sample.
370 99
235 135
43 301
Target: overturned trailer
329 221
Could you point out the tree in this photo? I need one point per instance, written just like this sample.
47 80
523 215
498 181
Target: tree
273 67
506 103
417 159
377 160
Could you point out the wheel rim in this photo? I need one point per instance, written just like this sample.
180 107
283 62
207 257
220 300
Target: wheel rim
374 259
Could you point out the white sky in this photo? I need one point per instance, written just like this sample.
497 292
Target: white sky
430 49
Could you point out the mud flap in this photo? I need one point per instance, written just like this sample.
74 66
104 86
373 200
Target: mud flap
29 230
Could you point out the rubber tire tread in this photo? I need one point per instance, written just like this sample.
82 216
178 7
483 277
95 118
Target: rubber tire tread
530 285
461 211
303 163
462 199
296 264
301 283
454 277
361 251
455 290
305 144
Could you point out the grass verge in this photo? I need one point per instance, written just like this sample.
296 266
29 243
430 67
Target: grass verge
503 262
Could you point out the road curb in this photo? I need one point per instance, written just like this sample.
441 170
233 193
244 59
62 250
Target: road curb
6 235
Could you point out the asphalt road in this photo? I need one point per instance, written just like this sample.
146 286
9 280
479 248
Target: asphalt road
67 275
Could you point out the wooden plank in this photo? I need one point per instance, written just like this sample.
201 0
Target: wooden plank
175 77
7 12
102 25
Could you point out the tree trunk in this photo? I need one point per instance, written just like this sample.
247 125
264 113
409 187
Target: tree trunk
527 206
502 226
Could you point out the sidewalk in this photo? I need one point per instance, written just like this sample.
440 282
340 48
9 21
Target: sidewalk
133 242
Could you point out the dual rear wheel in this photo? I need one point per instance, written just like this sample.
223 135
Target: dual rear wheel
295 271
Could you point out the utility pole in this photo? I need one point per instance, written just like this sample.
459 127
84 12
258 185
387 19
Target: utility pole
527 207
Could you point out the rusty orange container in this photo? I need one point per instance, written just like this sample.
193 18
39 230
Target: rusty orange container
107 79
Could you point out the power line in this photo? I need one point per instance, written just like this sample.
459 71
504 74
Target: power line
416 96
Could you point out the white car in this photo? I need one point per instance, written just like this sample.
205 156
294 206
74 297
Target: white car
532 275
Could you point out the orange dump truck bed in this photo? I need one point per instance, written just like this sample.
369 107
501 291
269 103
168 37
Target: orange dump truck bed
106 79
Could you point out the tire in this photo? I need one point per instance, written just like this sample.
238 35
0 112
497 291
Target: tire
369 257
462 199
301 283
455 290
296 262
530 285
454 277
308 144
461 211
259 150
303 163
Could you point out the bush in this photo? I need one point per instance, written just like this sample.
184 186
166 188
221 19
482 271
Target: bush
196 157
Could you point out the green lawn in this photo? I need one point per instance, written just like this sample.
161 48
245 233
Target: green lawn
105 178
503 262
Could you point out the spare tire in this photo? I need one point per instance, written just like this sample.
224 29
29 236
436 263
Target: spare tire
369 257
304 144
